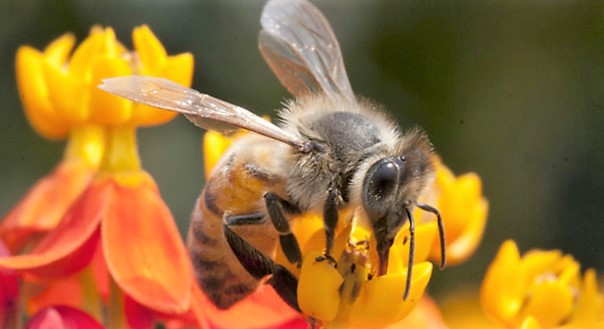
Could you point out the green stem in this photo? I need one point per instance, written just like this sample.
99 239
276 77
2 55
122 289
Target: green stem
122 151
116 317
92 299
86 142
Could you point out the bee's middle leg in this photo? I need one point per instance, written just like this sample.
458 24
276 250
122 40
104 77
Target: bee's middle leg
277 208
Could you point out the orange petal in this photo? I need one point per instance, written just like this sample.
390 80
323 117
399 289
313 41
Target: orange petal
33 90
46 202
262 309
143 248
43 293
69 247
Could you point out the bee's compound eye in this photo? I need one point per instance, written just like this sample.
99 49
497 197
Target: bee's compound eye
379 187
383 178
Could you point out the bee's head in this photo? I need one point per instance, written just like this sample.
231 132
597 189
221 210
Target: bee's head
391 187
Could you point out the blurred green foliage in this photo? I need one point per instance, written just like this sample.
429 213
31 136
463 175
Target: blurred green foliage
513 90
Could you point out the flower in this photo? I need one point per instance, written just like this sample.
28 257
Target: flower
542 289
464 211
116 223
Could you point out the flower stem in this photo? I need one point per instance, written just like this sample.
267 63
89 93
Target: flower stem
92 299
122 152
116 317
86 142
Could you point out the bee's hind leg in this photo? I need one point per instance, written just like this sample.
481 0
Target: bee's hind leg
276 208
253 218
259 266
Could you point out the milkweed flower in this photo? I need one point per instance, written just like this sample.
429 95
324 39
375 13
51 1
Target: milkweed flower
345 294
46 202
117 212
541 289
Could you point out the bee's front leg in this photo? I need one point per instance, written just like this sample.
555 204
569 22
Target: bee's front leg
276 208
330 221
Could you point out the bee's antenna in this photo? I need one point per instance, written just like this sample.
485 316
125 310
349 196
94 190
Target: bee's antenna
411 253
441 232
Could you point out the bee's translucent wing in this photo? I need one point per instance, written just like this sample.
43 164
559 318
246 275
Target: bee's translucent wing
203 110
301 49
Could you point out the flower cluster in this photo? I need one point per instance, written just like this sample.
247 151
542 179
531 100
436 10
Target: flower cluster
542 289
95 233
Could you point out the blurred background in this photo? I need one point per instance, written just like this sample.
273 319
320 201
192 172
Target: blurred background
512 90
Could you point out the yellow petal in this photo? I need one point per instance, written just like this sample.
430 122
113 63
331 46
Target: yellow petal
381 299
466 243
58 51
66 94
590 303
85 54
503 288
551 303
106 108
464 211
530 323
537 262
150 51
318 288
178 69
425 234
34 95
444 176
455 201
214 146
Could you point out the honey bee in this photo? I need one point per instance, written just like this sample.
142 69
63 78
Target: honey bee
332 153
